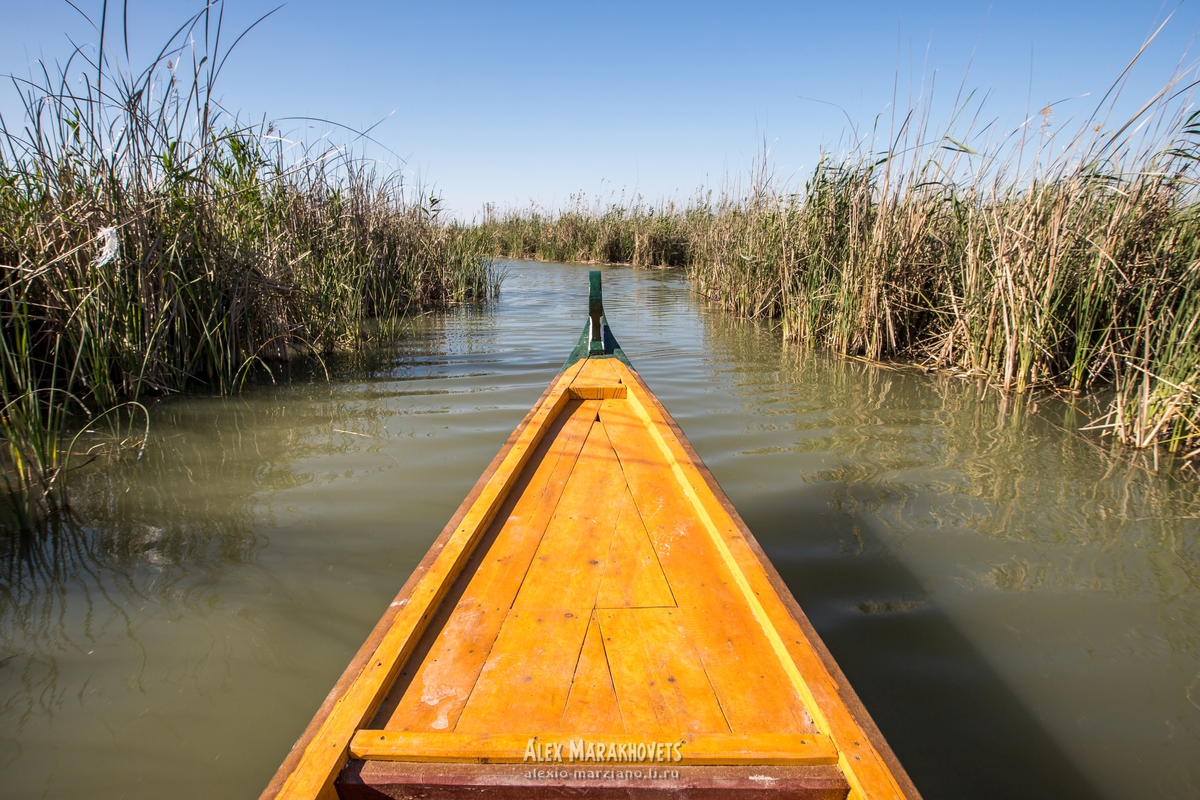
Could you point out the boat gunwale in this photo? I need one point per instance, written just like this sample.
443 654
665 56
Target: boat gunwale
845 689
842 689
371 644
846 694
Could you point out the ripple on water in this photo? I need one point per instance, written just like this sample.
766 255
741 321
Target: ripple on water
1018 611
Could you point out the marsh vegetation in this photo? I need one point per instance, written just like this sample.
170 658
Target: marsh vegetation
1035 260
150 242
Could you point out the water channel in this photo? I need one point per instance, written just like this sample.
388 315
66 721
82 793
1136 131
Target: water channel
1018 610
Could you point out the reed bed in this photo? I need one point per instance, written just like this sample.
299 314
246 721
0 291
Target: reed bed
637 233
150 243
1038 260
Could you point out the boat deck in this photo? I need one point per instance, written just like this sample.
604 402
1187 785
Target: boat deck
595 606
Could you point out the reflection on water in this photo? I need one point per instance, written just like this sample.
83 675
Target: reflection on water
1001 594
1018 610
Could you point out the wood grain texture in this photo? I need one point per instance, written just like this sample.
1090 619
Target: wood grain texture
747 676
526 680
592 705
375 780
865 769
597 392
808 642
450 664
660 681
326 753
597 372
569 564
598 380
633 577
758 748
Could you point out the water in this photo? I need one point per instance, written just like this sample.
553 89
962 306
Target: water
1017 609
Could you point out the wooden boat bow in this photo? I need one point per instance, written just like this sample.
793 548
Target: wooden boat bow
595 617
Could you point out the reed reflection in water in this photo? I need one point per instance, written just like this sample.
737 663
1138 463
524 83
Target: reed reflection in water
1017 609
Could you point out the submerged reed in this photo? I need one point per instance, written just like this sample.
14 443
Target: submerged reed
150 243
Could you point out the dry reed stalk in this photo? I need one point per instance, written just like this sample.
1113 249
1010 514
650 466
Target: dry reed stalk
1038 260
149 242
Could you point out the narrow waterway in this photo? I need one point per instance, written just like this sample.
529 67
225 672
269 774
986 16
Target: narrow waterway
1018 611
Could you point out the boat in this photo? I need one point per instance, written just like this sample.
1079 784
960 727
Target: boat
597 620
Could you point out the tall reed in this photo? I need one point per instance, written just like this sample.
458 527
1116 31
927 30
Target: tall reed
635 233
1030 263
1039 259
149 243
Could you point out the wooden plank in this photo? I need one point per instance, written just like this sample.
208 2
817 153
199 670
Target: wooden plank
592 703
745 672
328 750
811 673
596 392
863 765
660 682
688 749
434 698
525 683
799 635
598 380
373 780
758 748
633 578
597 372
447 671
401 599
569 564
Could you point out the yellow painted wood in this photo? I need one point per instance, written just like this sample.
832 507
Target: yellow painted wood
745 673
527 677
758 748
614 600
597 392
514 748
859 761
328 750
592 704
435 697
598 380
660 682
569 564
438 691
633 578
597 371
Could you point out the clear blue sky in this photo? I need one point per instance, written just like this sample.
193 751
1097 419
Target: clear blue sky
513 103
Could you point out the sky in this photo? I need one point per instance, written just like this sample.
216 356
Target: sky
523 103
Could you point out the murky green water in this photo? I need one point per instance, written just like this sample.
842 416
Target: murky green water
1018 611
